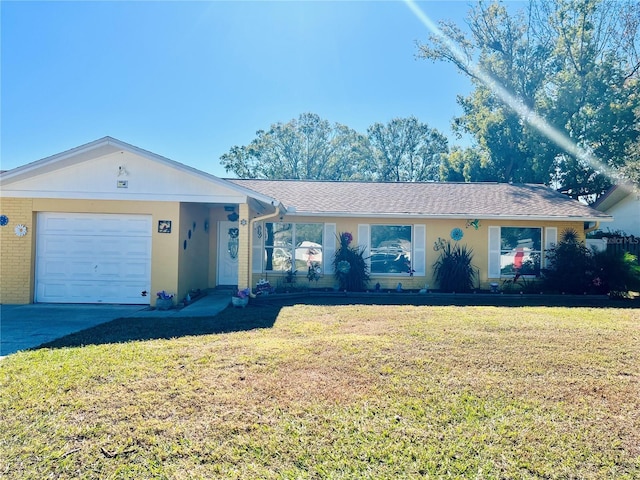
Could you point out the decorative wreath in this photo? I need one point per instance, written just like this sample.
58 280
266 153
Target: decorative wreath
457 234
21 230
3 220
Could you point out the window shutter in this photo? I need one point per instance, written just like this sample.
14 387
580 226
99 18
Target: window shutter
257 253
550 240
364 242
494 252
328 248
419 260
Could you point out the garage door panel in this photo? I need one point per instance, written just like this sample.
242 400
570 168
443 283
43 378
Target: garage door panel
94 224
89 270
93 258
53 269
53 245
137 248
136 271
80 270
95 292
56 291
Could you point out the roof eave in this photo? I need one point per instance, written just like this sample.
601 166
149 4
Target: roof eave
466 216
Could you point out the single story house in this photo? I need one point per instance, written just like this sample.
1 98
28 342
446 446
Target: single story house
108 222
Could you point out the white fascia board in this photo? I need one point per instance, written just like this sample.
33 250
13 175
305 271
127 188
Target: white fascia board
467 216
94 149
126 196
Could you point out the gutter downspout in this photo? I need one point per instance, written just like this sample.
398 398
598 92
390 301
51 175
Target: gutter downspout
278 211
596 226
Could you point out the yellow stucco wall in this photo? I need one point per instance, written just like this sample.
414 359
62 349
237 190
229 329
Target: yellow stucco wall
477 240
193 260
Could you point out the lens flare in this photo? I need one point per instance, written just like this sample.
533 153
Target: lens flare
516 104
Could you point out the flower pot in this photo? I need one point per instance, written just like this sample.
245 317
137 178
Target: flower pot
239 302
164 303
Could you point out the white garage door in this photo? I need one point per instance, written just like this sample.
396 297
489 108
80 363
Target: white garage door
93 258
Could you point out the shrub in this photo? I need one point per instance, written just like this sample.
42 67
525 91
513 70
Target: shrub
350 266
573 268
454 270
570 265
616 273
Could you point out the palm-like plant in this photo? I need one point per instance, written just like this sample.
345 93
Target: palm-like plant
352 271
454 270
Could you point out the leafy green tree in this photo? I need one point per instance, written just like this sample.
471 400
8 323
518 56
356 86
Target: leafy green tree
311 148
467 165
303 148
573 62
406 150
630 172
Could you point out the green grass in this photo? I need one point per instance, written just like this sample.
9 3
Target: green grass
332 392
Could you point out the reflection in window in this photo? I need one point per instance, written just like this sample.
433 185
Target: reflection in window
520 251
390 248
280 254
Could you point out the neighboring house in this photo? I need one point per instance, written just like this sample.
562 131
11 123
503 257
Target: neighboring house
108 222
623 204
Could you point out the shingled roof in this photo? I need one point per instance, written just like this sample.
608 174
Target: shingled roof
429 200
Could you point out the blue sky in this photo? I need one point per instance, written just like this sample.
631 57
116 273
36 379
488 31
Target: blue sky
188 80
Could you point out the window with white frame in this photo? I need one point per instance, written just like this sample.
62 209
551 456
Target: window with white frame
520 251
390 249
293 246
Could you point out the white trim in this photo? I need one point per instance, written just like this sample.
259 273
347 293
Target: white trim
128 196
419 242
364 241
493 270
328 248
465 216
550 239
257 247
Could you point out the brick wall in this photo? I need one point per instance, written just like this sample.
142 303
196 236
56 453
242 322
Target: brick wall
16 253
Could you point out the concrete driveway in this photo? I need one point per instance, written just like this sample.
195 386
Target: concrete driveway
27 326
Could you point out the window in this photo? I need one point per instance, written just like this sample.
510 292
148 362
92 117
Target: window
520 251
390 248
280 238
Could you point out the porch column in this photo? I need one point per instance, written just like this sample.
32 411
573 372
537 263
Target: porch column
244 272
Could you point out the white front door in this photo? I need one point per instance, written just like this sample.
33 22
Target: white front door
228 253
93 258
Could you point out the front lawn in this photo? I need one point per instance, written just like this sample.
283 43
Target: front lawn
332 392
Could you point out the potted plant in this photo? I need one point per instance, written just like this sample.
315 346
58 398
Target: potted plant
241 298
164 300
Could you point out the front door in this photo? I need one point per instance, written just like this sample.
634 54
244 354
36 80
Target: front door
228 253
